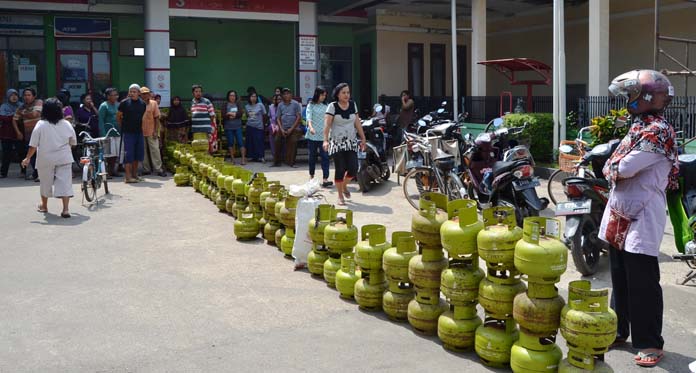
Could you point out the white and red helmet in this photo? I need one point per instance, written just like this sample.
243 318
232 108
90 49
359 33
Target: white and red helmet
647 91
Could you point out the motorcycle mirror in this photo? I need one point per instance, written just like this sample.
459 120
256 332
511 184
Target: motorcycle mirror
565 149
421 123
378 108
440 110
620 122
497 122
444 103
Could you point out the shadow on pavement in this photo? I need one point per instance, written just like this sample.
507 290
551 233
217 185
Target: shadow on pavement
360 207
53 219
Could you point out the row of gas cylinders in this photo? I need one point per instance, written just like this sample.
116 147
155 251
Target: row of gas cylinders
404 277
261 207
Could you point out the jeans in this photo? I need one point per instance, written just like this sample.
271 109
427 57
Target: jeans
318 146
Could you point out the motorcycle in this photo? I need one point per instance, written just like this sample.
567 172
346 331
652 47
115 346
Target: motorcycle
372 163
682 213
431 119
501 173
587 198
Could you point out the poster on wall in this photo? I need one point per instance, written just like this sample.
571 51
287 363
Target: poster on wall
75 89
159 83
19 25
68 27
308 82
27 73
308 52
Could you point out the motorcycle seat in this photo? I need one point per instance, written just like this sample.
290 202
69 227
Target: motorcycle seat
687 164
502 167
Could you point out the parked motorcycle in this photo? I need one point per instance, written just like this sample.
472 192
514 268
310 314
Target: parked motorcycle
682 213
587 198
372 163
429 120
500 172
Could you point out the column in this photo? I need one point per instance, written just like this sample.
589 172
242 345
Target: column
478 47
157 74
307 50
598 77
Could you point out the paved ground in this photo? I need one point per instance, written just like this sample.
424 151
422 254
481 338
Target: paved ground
153 280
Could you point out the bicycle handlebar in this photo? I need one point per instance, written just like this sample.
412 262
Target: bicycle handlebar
89 137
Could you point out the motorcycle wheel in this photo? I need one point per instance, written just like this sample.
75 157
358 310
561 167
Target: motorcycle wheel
418 180
585 248
386 174
363 181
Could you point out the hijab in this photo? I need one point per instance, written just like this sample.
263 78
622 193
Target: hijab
8 108
648 133
177 116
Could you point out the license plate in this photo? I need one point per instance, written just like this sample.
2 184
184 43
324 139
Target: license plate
525 184
362 155
574 207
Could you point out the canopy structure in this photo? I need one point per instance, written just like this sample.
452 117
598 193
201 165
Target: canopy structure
510 66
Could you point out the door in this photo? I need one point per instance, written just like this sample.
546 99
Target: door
74 72
366 77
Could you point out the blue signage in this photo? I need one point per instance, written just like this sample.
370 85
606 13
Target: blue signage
65 27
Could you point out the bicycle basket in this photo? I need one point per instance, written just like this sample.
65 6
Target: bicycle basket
566 160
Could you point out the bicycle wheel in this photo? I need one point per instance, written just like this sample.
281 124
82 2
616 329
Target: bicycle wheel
455 187
556 176
89 188
418 180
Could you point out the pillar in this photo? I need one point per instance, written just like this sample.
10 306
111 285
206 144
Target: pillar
308 50
598 78
478 47
157 71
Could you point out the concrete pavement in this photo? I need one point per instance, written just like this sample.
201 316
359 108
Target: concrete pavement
152 280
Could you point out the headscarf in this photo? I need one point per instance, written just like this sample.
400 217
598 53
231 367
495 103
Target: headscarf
177 117
8 108
652 134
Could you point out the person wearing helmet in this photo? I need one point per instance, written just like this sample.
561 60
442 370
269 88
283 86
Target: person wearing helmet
639 171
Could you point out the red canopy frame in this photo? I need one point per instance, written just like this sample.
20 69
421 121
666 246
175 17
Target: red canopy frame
510 66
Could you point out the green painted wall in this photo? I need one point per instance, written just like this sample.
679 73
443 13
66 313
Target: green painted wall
50 46
335 35
223 61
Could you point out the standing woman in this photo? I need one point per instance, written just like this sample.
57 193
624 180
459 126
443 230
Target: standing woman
342 122
316 111
232 114
639 171
9 135
88 115
64 98
53 136
256 117
273 127
177 122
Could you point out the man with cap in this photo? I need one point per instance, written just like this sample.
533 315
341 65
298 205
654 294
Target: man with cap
132 110
153 160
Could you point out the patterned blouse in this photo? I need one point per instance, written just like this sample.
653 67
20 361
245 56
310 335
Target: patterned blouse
343 136
315 114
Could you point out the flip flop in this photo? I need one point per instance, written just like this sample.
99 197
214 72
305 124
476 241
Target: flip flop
341 202
65 215
39 209
131 181
346 194
642 356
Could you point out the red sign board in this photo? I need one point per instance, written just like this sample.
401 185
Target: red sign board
262 6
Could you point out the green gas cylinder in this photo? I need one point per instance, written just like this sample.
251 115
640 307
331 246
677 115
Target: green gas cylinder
240 203
347 276
269 232
426 223
458 235
323 216
195 183
460 282
494 340
229 180
315 261
288 241
271 200
200 142
369 251
587 323
424 317
456 328
245 227
496 295
532 354
331 267
497 240
369 290
288 210
279 234
255 190
341 235
395 260
425 275
182 177
537 316
280 203
395 304
565 366
540 254
221 201
267 193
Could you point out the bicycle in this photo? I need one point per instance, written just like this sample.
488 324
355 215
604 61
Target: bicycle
430 174
91 161
569 162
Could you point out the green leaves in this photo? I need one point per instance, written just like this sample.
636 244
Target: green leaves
603 128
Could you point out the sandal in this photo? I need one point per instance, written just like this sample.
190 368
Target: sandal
327 184
341 202
131 181
41 210
65 214
648 359
346 193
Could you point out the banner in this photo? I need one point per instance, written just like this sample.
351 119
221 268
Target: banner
262 6
12 24
65 27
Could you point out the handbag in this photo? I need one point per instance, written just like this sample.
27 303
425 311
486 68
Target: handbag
617 229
